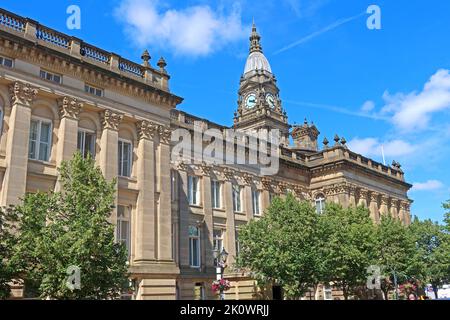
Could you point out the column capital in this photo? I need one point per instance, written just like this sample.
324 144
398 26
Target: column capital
69 107
147 129
22 93
248 178
363 193
206 169
384 199
111 119
228 174
165 134
373 196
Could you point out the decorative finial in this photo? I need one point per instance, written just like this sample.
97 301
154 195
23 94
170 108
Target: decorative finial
325 142
343 141
336 140
146 58
162 64
305 122
255 46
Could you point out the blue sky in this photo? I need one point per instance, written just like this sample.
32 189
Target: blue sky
387 87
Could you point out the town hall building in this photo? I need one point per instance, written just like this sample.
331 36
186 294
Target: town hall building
59 94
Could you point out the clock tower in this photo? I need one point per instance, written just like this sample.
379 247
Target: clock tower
259 104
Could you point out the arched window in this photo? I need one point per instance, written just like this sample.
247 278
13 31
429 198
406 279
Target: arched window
320 203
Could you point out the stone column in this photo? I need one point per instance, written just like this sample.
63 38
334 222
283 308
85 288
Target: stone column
231 226
362 201
265 195
352 196
404 212
183 244
374 214
108 158
247 199
16 158
69 111
145 242
208 226
394 210
384 211
165 207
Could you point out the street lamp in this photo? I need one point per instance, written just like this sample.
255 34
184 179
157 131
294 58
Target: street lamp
221 260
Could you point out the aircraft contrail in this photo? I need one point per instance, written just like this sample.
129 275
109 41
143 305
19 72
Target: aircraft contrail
332 26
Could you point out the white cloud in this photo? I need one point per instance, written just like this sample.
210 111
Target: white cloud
413 111
429 185
368 106
193 31
370 147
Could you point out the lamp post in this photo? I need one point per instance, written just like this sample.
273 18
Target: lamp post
221 259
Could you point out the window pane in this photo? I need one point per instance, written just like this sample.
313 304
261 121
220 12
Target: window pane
8 63
45 132
80 143
43 152
57 79
195 253
120 158
42 74
33 138
89 145
193 231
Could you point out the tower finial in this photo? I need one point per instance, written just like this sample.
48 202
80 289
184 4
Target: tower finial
255 46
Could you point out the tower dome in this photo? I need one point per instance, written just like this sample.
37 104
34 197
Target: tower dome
256 59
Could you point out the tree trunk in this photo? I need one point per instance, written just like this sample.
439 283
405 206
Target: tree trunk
435 290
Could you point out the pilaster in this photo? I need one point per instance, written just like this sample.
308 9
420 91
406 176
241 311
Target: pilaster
16 159
145 242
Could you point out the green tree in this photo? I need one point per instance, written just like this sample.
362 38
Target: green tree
432 255
446 206
71 229
395 251
348 246
283 246
7 241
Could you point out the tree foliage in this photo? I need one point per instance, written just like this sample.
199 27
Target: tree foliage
432 255
348 246
283 246
59 230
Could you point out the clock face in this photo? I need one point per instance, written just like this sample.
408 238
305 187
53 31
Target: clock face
270 99
250 101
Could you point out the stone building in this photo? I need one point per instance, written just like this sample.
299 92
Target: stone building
59 94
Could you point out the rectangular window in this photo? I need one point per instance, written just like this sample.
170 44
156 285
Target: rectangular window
255 202
123 226
193 191
327 292
40 140
125 158
50 76
6 62
93 90
216 194
194 247
320 205
218 240
237 198
86 143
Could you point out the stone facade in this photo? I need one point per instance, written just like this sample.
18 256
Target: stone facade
59 94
